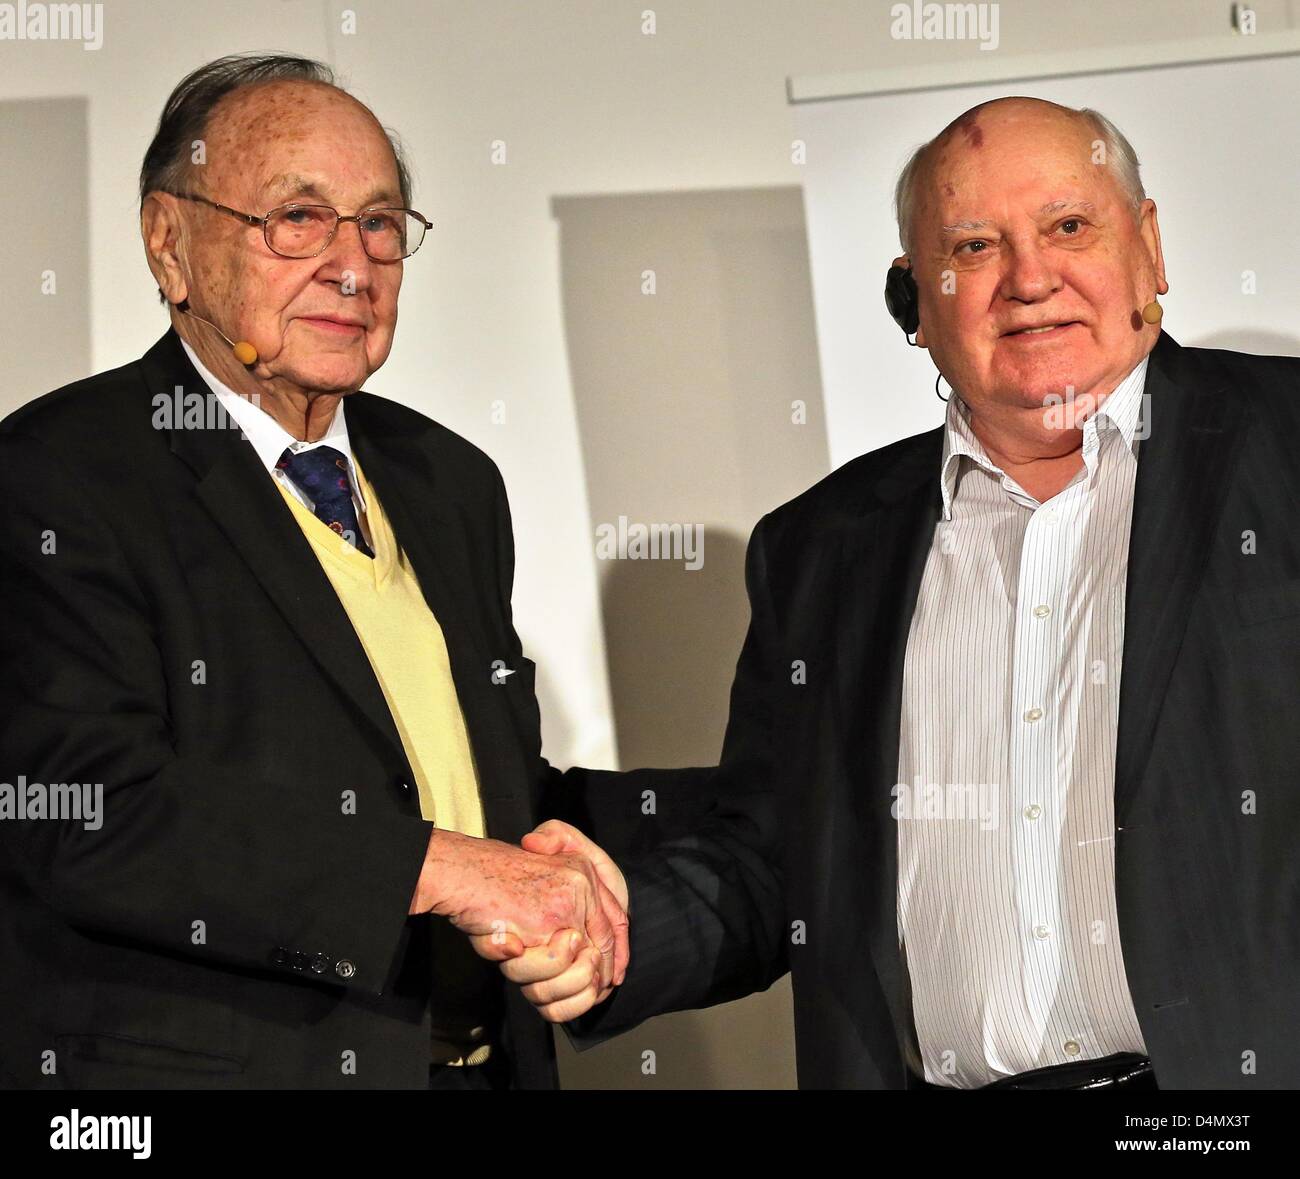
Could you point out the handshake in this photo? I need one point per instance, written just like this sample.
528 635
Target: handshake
552 912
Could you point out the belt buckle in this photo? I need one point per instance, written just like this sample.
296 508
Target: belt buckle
1119 1079
459 1048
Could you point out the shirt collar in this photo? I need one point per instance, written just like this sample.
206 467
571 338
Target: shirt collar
1123 408
1120 411
267 437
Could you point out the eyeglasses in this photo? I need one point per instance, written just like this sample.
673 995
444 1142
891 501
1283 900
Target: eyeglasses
303 231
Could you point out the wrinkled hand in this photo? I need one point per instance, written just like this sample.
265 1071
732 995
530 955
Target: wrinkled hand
562 979
507 899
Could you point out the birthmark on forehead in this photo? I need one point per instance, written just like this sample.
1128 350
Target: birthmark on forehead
948 190
968 125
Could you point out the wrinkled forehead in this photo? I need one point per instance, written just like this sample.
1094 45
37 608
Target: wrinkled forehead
300 140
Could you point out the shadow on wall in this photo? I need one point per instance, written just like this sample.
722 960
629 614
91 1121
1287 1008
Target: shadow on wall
672 637
45 211
693 354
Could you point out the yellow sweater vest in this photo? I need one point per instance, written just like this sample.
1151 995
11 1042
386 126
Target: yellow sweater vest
406 649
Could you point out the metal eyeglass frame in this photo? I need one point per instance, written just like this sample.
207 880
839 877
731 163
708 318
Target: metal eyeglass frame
264 222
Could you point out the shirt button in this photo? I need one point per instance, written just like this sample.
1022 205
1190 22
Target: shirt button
1034 714
1042 932
1033 810
1071 1047
1049 515
1042 611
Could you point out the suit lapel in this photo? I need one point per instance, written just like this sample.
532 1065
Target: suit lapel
243 501
1193 426
882 560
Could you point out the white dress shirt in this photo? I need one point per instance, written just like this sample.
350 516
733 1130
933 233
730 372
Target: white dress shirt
1006 768
269 439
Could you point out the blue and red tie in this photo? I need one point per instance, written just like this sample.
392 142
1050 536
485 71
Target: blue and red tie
321 474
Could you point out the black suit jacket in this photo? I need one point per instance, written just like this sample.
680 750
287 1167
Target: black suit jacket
169 632
797 866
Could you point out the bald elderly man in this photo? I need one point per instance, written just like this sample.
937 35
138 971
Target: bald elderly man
1027 818
268 733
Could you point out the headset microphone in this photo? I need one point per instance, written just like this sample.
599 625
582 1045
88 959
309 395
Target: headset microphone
902 300
244 352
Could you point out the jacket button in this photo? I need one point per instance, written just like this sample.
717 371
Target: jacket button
344 968
279 956
299 960
320 964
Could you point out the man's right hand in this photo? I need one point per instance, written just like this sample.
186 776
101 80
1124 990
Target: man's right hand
507 899
562 979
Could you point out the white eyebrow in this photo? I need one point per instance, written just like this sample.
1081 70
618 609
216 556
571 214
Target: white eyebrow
1046 211
1058 206
960 225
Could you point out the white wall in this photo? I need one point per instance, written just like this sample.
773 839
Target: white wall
586 104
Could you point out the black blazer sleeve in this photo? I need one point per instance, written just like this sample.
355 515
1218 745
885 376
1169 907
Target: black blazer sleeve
706 909
188 856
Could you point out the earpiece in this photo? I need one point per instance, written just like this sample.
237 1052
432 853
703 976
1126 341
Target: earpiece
902 300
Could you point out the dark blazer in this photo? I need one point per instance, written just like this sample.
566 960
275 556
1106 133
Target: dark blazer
796 868
230 924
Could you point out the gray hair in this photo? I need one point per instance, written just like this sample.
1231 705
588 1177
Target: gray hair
1119 155
167 165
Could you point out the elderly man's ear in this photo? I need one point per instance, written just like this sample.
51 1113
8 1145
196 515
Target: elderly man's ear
160 227
1149 228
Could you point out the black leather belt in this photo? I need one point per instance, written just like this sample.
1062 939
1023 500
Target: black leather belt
1124 1071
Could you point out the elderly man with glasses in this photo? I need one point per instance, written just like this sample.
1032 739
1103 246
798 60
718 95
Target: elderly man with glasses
279 651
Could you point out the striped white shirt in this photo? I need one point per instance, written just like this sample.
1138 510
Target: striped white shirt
1006 767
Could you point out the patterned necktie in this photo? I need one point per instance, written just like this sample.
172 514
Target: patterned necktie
321 474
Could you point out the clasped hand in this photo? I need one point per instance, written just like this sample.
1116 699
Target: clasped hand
552 912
